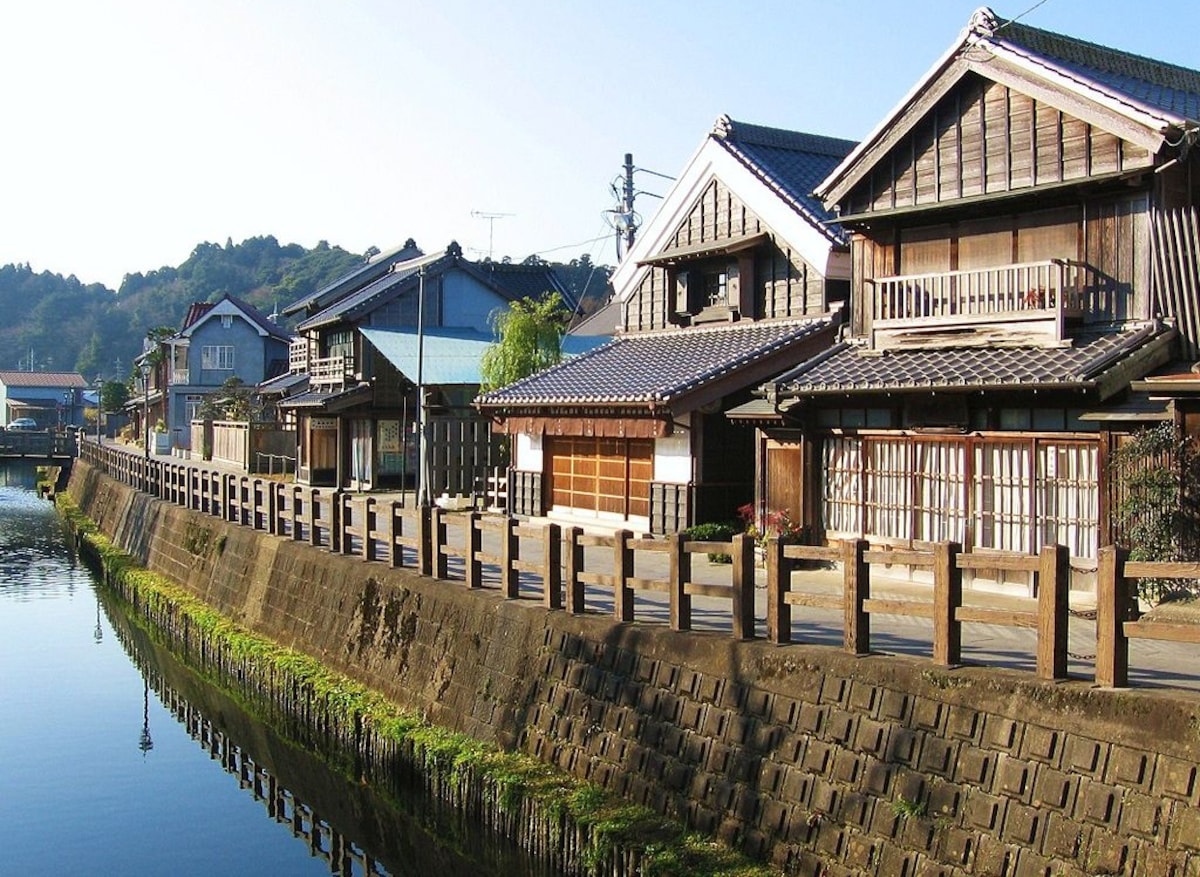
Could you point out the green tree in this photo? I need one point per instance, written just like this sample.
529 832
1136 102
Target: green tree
528 339
1157 473
113 396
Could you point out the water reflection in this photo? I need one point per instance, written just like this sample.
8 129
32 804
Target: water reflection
32 546
356 829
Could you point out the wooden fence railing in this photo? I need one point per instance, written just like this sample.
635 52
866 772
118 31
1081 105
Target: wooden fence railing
565 569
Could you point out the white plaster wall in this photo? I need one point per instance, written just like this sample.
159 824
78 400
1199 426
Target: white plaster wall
527 453
673 457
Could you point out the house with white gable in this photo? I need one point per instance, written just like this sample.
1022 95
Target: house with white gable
739 275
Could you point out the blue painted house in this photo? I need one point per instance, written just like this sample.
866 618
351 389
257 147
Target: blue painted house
358 346
53 399
219 340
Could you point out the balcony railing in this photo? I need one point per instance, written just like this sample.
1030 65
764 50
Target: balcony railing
1024 304
330 371
298 356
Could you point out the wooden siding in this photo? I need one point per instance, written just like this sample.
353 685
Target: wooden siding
785 285
1111 237
610 476
984 138
1175 279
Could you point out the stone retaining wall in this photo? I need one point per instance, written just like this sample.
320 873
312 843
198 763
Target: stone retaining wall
819 761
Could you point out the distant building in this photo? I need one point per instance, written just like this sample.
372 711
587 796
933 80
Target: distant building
53 399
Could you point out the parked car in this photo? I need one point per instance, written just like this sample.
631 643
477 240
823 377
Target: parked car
23 424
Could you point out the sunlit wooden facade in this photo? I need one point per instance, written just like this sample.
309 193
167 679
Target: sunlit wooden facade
1019 235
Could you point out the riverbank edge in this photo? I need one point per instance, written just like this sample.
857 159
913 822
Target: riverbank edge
552 815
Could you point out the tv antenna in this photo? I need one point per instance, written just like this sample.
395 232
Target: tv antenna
491 221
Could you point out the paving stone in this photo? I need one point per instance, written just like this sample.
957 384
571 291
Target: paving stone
1129 767
871 737
1140 815
928 714
894 706
1014 779
1022 825
983 811
864 697
1003 734
1175 778
1183 830
1053 788
964 723
839 726
834 690
903 746
1099 804
1082 755
877 777
938 756
975 767
1063 837
1042 744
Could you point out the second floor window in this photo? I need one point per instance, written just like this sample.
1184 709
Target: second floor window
217 356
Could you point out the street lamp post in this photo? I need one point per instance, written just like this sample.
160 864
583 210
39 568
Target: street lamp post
99 407
144 368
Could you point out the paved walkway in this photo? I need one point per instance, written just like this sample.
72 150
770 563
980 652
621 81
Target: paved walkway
1152 664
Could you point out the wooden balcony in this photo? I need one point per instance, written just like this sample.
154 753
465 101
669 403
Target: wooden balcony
298 356
330 371
1023 305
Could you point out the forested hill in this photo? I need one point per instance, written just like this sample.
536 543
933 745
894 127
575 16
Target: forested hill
67 325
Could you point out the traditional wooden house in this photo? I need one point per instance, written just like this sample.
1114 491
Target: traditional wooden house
356 418
1015 268
739 274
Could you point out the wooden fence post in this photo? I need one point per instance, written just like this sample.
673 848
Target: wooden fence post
510 553
856 590
1054 580
574 584
552 572
440 535
314 512
743 586
395 528
622 573
425 540
779 582
1112 601
680 574
947 597
474 566
369 522
338 537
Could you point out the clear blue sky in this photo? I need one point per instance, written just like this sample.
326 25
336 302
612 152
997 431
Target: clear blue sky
135 129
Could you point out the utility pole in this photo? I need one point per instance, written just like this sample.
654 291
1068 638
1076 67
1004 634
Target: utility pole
630 227
491 221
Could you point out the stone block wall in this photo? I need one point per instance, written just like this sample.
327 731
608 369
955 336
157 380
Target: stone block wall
819 761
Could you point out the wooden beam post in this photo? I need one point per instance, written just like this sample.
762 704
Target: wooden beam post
510 553
856 590
743 586
474 544
947 597
622 573
680 567
1112 600
437 530
368 529
426 544
779 582
395 527
552 567
1054 581
575 596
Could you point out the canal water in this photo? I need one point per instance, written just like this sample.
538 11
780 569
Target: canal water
115 759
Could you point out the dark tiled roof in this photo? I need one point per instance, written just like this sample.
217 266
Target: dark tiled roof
1167 87
355 278
364 299
320 400
851 369
654 366
258 318
517 281
790 162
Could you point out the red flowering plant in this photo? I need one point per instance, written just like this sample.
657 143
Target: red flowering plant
777 523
